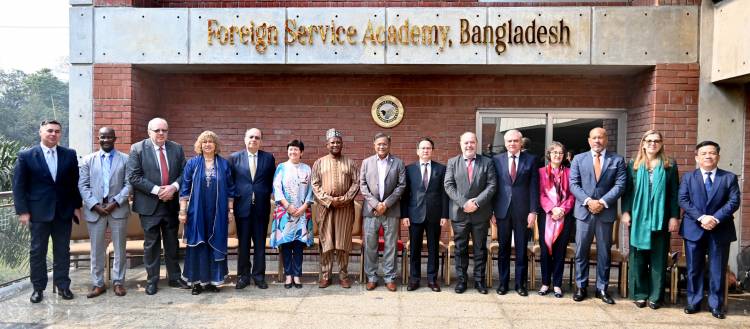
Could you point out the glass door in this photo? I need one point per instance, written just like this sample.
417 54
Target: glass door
542 126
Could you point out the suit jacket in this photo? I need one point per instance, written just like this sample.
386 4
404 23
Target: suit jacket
609 188
459 189
420 204
144 174
395 183
721 203
36 193
523 192
245 186
92 179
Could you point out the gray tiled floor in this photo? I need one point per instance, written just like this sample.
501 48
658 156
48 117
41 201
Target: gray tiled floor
335 307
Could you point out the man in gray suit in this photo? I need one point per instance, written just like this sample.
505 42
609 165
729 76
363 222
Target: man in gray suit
597 179
382 180
155 165
470 182
104 189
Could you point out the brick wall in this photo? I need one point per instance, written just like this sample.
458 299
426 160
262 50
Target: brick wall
124 99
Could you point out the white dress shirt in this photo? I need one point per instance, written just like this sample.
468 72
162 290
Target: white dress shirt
382 172
155 189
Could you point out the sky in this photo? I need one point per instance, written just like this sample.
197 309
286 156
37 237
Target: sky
34 34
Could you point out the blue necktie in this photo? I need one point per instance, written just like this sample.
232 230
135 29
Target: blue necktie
52 163
107 167
709 182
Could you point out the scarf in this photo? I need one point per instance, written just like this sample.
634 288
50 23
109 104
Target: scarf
557 193
648 205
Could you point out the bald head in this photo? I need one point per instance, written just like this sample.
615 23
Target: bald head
598 139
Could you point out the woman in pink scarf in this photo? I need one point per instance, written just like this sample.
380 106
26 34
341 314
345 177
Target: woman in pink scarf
555 227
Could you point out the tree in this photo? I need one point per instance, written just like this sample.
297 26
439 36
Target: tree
28 99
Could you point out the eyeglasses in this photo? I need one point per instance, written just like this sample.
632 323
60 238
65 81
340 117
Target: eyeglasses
253 137
556 153
159 131
652 141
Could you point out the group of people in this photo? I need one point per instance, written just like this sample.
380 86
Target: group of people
209 193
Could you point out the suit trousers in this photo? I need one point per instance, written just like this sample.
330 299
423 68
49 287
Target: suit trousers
390 240
586 230
647 269
252 232
553 264
718 257
99 248
59 230
464 226
516 224
416 234
161 226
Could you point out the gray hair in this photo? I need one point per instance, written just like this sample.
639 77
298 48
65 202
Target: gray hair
153 121
552 146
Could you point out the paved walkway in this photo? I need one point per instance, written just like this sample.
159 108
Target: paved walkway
335 307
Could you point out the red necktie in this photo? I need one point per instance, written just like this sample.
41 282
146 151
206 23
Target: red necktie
513 168
470 169
164 168
425 178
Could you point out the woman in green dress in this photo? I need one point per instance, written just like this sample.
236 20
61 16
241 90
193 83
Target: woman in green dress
650 208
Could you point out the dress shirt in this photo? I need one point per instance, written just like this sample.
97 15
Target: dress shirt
601 162
511 160
713 178
429 170
382 172
176 185
50 156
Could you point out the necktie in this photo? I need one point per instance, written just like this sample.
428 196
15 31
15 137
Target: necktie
252 166
470 169
709 182
513 168
425 177
106 169
164 168
597 165
52 163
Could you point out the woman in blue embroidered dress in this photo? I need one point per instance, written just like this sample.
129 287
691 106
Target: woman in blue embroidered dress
206 198
291 229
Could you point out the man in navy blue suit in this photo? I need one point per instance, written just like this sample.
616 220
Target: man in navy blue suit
45 193
709 196
424 208
517 184
597 179
253 171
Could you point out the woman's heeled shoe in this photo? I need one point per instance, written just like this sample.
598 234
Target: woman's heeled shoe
211 288
558 293
543 291
197 289
297 283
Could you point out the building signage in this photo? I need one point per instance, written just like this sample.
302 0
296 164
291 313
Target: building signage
260 35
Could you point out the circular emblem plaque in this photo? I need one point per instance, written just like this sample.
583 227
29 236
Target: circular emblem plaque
387 111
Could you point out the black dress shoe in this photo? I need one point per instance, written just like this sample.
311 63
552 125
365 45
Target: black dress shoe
179 283
288 285
412 286
211 288
604 296
197 290
242 283
639 303
434 286
580 294
65 293
460 287
521 291
261 284
151 288
297 285
501 290
692 309
480 287
654 305
718 313
36 296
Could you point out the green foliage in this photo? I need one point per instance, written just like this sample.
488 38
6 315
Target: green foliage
8 153
26 100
